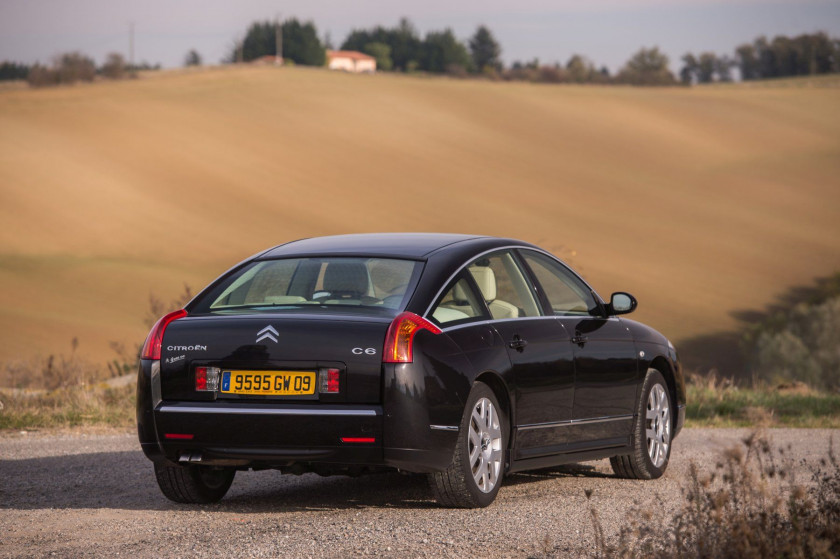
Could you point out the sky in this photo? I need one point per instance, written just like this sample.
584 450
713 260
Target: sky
608 32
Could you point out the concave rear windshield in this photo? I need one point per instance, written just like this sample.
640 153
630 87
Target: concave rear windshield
363 285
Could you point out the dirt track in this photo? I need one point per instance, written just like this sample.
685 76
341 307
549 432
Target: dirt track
95 495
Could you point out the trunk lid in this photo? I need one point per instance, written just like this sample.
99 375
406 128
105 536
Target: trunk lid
275 342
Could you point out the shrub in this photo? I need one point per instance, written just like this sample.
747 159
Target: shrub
114 67
66 68
800 344
750 506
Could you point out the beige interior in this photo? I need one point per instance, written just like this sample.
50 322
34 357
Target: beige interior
486 280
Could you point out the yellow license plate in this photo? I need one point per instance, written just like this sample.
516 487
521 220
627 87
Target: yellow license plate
269 383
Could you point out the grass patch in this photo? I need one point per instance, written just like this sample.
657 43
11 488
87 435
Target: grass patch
796 406
71 406
68 407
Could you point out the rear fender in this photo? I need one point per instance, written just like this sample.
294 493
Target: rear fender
423 402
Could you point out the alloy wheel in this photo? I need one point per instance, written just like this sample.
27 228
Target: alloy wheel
485 445
658 425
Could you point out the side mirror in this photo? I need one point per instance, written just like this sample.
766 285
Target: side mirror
622 303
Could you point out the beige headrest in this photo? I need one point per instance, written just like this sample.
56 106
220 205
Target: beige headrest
486 280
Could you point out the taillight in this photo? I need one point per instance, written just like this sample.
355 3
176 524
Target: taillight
207 378
399 342
151 349
329 380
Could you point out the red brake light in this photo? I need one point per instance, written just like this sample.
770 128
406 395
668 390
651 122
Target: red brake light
330 381
399 342
201 378
151 349
179 436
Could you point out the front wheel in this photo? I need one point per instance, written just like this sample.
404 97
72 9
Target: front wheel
651 432
475 474
193 484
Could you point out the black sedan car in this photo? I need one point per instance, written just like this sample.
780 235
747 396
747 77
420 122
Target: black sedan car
461 357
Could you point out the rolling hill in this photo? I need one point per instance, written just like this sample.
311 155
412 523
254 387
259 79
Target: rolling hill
700 201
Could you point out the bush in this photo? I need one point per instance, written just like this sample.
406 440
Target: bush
66 68
750 506
114 67
800 344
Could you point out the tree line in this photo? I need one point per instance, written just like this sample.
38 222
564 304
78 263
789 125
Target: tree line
803 55
401 48
72 67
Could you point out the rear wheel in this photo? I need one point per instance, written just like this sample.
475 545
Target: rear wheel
651 432
193 484
475 474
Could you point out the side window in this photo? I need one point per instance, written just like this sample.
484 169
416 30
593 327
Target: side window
506 291
566 293
458 304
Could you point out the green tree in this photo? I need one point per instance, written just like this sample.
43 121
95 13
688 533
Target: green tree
300 42
748 62
405 44
13 71
382 53
706 64
192 58
723 68
579 69
688 73
647 67
485 50
442 52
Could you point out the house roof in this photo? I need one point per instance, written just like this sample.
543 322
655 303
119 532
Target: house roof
351 54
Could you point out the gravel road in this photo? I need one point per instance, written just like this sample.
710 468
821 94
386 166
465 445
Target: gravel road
77 494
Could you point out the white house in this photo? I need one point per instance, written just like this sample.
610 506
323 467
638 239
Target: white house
350 61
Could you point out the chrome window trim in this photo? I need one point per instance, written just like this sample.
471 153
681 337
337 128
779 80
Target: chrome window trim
571 422
497 320
507 247
494 321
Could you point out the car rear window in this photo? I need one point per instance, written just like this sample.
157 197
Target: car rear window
314 283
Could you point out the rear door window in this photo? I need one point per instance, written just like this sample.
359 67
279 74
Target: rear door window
505 289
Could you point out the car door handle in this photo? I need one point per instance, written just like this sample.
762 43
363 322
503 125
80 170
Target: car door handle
579 339
517 343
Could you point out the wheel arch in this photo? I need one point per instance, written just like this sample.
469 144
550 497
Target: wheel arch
500 390
662 365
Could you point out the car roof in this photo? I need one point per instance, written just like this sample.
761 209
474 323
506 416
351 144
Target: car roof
405 245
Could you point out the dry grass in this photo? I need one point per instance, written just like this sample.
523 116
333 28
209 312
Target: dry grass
750 506
98 405
699 201
67 391
715 402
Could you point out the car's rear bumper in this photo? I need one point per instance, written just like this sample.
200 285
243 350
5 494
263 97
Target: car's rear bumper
400 434
269 435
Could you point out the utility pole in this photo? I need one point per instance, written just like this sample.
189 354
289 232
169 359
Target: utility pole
278 40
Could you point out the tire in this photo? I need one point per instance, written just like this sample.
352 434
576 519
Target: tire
652 430
475 474
193 484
